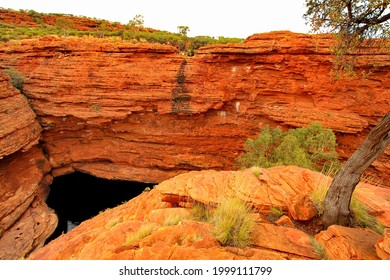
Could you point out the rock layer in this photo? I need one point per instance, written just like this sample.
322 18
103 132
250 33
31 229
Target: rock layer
25 220
19 128
159 224
143 112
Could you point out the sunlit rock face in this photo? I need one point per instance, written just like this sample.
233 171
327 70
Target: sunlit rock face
142 112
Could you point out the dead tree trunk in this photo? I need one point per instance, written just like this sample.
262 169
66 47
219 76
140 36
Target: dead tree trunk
339 195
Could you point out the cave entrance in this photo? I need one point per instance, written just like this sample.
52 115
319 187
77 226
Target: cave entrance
78 196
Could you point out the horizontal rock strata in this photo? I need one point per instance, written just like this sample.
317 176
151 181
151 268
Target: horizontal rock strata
143 112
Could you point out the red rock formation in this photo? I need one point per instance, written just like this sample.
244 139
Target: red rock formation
31 18
343 243
164 217
19 128
25 220
383 246
142 112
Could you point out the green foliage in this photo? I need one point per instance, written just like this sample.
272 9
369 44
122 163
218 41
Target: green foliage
144 231
233 223
277 212
351 22
183 30
360 213
16 78
138 21
201 212
362 216
134 31
319 249
312 147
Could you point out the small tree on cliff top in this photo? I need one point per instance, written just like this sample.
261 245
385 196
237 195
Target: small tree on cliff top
352 21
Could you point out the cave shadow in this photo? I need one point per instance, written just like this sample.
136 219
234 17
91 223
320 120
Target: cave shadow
77 197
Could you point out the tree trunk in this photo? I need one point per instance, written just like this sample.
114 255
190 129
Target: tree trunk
339 195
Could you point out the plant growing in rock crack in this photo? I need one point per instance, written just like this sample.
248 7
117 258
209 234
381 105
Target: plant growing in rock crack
360 214
319 249
16 78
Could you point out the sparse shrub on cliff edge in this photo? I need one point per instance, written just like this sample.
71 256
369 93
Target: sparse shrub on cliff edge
16 79
233 223
310 147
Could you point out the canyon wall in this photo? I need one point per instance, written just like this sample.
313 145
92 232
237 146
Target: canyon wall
142 112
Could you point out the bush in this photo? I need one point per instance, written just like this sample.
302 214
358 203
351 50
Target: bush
312 147
233 223
16 79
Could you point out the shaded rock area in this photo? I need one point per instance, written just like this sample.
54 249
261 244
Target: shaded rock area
172 233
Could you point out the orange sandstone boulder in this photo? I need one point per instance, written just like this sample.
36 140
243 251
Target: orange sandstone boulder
383 246
25 220
342 243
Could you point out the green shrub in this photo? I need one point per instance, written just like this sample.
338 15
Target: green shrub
16 78
233 223
312 147
201 212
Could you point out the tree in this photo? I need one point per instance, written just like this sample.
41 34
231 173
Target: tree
183 30
138 21
339 195
352 21
310 147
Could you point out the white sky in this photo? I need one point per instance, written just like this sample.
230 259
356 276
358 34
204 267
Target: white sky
204 17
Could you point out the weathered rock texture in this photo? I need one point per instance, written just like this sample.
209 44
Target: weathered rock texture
166 213
142 112
19 128
25 219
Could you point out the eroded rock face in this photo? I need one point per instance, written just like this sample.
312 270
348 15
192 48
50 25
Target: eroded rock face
25 220
159 224
19 128
142 112
343 243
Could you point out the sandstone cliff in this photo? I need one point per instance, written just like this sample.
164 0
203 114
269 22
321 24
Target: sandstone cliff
143 112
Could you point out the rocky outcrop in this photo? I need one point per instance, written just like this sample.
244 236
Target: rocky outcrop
25 220
19 128
159 224
383 246
343 243
143 112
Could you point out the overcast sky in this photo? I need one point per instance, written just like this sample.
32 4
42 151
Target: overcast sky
204 17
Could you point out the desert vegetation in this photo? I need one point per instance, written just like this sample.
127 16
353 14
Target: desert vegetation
133 31
310 147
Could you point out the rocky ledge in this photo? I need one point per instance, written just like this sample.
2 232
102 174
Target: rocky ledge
166 212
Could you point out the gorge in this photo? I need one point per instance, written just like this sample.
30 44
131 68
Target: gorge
141 112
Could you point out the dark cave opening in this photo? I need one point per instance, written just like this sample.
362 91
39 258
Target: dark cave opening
78 196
